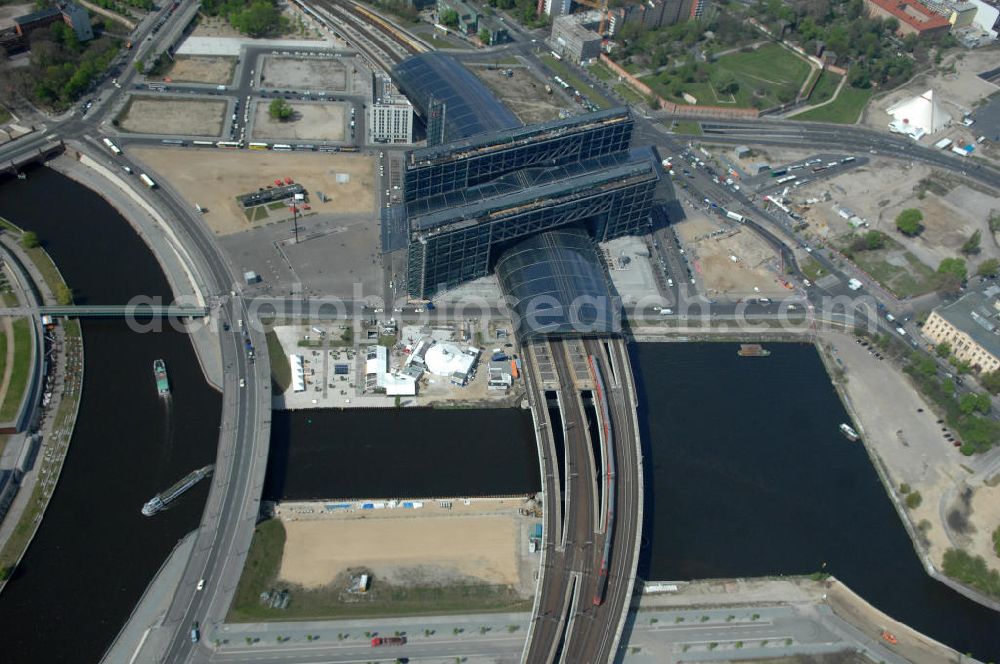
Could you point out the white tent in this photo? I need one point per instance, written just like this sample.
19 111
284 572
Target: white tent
918 116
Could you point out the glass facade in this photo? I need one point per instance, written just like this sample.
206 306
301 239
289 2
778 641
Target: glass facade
555 284
468 105
454 244
466 163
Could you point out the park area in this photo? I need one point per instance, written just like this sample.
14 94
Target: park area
309 122
172 116
215 178
201 69
761 78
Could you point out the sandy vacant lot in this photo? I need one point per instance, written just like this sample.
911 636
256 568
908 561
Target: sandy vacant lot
482 547
311 122
523 93
957 93
303 73
165 115
711 245
880 191
202 69
213 178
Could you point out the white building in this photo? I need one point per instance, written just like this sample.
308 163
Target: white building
378 376
390 115
298 373
555 7
919 116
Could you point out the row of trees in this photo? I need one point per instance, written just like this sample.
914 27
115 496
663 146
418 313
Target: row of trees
256 18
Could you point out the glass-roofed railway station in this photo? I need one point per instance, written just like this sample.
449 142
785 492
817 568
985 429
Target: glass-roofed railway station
528 201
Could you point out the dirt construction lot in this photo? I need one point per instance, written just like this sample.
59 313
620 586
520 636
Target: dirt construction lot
313 122
712 246
480 547
522 93
304 73
202 69
164 115
213 178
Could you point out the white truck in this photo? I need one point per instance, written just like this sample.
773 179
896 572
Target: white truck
943 143
735 216
146 180
854 284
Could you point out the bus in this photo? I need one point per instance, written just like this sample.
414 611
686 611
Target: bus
349 148
111 146
778 172
146 180
847 160
231 145
787 178
173 141
207 144
305 147
257 146
556 55
281 147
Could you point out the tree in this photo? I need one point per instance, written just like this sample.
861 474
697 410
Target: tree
449 17
64 295
874 240
29 240
989 268
971 245
484 36
280 109
951 273
974 402
260 19
996 540
994 220
908 222
991 381
943 350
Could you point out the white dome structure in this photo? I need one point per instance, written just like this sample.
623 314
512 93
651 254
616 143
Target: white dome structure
918 116
447 359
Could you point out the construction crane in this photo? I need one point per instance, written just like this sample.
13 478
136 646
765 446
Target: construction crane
601 6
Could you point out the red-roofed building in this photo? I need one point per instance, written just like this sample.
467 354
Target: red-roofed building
913 17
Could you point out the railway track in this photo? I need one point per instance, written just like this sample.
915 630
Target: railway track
383 43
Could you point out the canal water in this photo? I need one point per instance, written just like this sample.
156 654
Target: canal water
750 476
95 553
401 453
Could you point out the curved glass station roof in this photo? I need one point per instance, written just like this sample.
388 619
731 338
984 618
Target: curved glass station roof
555 285
470 107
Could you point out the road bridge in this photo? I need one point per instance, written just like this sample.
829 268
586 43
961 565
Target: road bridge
31 148
124 311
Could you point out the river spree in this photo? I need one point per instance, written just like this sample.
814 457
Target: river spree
401 453
95 553
750 476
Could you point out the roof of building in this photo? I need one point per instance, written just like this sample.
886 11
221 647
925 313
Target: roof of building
504 138
40 15
974 314
555 285
470 108
913 14
516 190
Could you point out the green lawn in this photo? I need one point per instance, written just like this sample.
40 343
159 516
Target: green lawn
687 127
811 268
20 370
844 110
281 371
896 270
566 72
827 85
628 94
771 70
602 72
260 574
4 115
972 570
